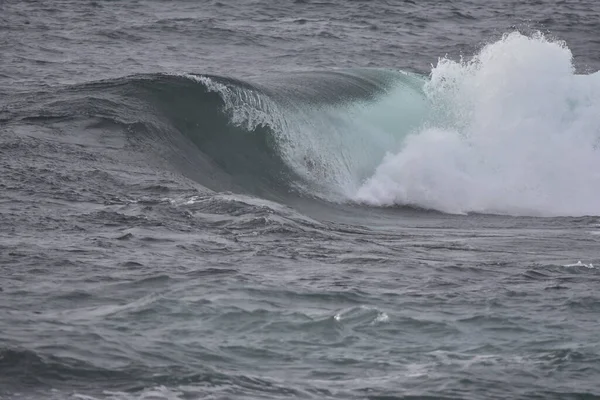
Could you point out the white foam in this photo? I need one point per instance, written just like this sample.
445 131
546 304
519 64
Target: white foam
580 264
514 131
382 318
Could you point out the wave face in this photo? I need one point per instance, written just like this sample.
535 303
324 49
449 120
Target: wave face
512 131
328 130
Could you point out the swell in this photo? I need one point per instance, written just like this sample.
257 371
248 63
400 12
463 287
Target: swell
309 134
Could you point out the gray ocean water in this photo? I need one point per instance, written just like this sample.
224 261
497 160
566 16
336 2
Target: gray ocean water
299 199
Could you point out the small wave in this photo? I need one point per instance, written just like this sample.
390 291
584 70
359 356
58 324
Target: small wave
361 315
580 264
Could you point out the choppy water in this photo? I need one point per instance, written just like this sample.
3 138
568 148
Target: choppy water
241 200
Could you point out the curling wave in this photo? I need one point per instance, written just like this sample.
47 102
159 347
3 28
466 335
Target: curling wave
324 133
513 131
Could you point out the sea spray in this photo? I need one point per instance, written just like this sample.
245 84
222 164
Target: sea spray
513 131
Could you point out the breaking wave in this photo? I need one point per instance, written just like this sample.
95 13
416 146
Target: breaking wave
513 130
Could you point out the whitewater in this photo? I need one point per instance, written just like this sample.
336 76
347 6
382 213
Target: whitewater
514 131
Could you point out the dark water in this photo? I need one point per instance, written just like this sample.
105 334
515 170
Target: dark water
243 200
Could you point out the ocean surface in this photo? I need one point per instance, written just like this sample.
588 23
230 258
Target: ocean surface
299 199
